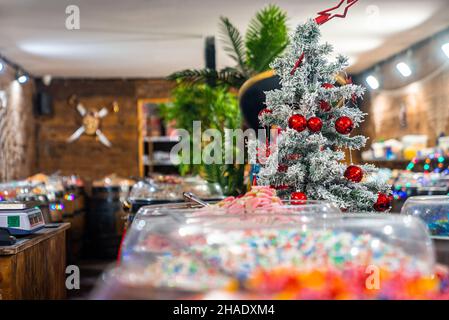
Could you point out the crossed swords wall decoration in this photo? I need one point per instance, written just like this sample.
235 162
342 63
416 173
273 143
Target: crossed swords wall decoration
91 122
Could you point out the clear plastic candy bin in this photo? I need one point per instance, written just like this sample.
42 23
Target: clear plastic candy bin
195 210
191 212
156 191
175 259
164 258
433 210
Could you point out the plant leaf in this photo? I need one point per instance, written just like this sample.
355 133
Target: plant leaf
228 76
193 76
266 38
232 77
233 43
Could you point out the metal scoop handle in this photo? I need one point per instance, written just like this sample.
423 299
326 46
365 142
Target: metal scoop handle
189 196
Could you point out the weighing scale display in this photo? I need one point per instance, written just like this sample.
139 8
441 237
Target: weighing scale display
22 221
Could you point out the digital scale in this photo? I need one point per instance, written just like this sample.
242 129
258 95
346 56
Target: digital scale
21 218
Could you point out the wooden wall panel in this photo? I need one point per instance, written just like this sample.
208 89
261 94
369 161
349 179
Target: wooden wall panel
17 128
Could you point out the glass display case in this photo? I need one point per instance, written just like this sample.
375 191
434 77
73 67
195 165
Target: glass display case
228 208
56 194
170 189
433 210
165 257
189 209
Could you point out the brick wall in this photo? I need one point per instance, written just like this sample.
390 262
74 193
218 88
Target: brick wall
87 156
17 128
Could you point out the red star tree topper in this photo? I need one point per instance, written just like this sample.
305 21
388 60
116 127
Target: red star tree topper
325 16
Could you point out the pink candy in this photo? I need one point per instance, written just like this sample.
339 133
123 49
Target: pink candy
260 198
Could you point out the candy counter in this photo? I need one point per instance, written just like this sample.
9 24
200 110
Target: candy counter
62 195
434 212
258 247
420 176
255 255
60 198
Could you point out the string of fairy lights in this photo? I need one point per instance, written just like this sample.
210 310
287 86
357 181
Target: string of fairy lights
439 159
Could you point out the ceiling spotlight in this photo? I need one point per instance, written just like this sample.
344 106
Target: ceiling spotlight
445 48
373 82
21 77
404 69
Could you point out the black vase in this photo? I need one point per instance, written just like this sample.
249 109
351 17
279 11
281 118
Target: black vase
252 96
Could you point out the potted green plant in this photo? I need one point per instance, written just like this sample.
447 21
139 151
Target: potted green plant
215 108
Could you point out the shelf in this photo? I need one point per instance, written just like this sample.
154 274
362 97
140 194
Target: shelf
390 164
163 139
150 163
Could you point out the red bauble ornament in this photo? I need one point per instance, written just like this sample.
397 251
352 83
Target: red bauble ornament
383 202
314 124
354 174
344 125
297 122
298 198
282 168
327 85
325 106
265 111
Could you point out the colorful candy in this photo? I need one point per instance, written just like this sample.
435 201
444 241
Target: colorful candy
198 259
333 284
182 272
258 199
243 251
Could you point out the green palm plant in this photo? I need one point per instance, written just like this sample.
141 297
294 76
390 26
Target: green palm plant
216 108
265 39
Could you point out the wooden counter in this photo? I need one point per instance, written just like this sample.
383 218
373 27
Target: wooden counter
34 268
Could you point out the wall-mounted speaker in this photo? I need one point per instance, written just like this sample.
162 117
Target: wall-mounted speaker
43 104
210 57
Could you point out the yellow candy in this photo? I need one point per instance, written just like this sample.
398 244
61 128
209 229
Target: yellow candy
313 280
233 286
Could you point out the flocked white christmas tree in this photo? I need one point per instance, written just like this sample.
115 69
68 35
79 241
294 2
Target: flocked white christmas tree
316 116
